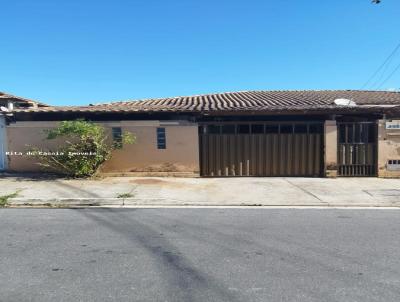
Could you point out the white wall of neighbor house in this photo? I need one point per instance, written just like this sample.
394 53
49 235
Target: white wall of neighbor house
180 155
388 150
3 143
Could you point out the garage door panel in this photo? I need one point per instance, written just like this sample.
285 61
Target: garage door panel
318 155
295 158
274 163
310 154
289 154
275 155
265 154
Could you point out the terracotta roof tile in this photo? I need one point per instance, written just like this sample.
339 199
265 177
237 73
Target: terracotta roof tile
237 101
7 96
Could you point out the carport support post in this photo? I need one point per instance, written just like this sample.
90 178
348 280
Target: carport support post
331 148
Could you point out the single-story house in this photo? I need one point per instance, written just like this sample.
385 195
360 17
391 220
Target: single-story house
247 133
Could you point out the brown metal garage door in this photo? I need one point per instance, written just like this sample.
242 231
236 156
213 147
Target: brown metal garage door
263 149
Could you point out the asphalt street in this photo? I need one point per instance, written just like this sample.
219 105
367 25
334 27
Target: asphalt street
247 254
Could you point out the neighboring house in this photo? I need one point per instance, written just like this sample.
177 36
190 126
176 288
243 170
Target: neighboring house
7 100
8 103
250 133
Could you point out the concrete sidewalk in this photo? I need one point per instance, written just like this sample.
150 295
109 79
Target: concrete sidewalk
152 191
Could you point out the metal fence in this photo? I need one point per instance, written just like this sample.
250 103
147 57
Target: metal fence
357 149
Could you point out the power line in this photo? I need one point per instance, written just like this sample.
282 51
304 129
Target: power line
389 76
382 74
381 66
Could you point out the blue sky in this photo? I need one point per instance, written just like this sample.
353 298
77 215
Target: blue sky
78 52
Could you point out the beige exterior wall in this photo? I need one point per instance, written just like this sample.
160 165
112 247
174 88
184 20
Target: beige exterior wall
22 137
330 149
181 154
388 148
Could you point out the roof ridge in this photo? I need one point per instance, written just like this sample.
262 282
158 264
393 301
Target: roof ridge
249 100
240 91
168 97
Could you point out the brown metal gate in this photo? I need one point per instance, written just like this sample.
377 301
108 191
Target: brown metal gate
285 149
357 149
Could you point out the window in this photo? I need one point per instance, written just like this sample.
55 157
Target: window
161 141
228 129
393 165
117 137
342 134
213 129
371 133
257 129
316 128
272 129
350 132
286 128
300 128
243 129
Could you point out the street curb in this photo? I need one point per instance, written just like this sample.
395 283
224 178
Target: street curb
161 202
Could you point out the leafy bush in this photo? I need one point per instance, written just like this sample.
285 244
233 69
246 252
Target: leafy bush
86 148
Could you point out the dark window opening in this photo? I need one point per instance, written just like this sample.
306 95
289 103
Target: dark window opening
371 133
228 129
316 128
257 129
212 129
286 129
161 140
300 128
117 137
350 134
243 129
342 134
271 129
357 133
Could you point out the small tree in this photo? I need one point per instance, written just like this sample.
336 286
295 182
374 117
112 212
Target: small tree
86 148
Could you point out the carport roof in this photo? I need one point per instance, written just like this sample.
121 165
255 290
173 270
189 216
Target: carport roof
243 101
